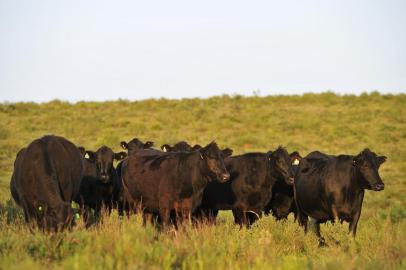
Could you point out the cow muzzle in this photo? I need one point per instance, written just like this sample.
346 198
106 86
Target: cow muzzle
378 187
104 178
225 177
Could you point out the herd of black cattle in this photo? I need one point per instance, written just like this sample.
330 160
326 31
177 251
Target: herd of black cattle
184 183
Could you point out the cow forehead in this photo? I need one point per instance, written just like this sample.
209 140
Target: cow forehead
182 143
135 141
105 153
369 156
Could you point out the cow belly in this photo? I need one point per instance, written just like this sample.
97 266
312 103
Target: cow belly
253 201
313 207
320 215
342 212
183 205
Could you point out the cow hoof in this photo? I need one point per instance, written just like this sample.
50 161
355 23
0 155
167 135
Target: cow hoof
322 242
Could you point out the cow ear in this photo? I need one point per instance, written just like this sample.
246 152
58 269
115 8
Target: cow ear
203 152
356 161
166 148
269 155
295 158
120 156
227 152
148 144
82 150
196 147
381 159
124 145
90 155
296 161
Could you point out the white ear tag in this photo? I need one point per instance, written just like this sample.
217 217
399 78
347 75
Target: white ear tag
201 156
296 162
164 149
87 155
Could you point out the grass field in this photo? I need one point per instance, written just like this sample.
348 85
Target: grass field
326 122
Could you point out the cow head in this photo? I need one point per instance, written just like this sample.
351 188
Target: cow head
295 159
214 160
103 158
367 164
166 148
198 147
281 162
54 218
181 146
135 145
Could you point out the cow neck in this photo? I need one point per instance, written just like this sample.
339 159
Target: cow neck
199 172
356 179
273 174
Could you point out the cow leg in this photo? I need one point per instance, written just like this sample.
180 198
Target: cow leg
184 217
237 217
110 208
200 216
26 216
355 218
252 217
353 227
147 217
212 217
97 214
165 215
205 215
84 213
335 213
354 222
303 221
240 217
120 209
187 216
27 212
322 241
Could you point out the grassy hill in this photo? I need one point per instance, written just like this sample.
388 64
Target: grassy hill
326 122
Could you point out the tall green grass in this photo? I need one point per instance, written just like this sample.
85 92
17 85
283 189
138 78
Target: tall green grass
326 122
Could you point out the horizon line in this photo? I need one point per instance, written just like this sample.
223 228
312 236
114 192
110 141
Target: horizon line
233 95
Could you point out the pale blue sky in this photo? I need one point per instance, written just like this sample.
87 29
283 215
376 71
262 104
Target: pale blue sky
104 50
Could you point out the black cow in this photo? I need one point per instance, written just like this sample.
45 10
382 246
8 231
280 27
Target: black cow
282 202
330 188
47 176
250 188
160 183
179 147
101 185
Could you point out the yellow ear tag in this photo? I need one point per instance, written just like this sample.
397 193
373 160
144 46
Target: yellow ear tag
296 162
77 216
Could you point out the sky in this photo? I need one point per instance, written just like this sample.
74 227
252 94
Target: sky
107 50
